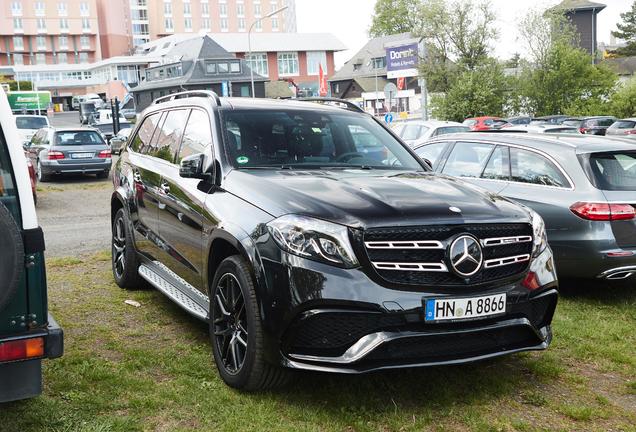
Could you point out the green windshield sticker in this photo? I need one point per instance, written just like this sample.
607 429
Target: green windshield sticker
242 160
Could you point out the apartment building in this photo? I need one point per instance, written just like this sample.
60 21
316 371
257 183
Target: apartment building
49 32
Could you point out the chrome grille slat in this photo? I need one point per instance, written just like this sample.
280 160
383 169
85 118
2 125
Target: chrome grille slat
416 244
417 267
500 262
498 241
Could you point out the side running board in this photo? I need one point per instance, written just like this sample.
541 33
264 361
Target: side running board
177 289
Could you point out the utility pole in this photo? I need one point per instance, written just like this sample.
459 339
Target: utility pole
422 80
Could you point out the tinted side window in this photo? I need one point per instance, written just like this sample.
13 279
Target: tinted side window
467 159
197 135
432 152
530 167
169 137
498 167
141 142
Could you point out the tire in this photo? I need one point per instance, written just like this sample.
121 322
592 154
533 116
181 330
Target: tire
42 178
124 260
103 174
11 256
227 330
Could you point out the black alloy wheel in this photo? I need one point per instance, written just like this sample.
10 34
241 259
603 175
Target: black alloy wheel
124 258
230 323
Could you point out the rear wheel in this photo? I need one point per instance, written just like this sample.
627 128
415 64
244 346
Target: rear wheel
236 330
124 258
42 177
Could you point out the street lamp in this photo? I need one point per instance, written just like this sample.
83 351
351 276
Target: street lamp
249 42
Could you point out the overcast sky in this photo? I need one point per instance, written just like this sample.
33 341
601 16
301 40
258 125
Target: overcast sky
350 20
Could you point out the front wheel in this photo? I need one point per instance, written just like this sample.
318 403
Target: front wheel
124 258
236 330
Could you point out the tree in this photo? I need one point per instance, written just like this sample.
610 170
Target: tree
13 85
627 32
540 30
395 16
623 102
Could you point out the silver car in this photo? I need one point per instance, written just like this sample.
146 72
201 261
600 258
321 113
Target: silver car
584 187
625 128
414 132
118 142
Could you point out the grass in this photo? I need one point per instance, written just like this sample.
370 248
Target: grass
150 369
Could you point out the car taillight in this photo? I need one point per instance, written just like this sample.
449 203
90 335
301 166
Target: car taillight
630 132
603 211
582 130
104 154
22 349
54 155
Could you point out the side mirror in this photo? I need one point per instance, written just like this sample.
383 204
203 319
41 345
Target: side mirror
428 162
192 167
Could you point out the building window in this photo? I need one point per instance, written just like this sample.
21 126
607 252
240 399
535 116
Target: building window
235 67
240 9
187 10
223 24
273 5
86 24
169 25
18 59
40 9
140 29
205 24
84 10
83 57
258 63
62 58
241 24
223 9
41 43
274 24
205 9
40 59
187 22
257 10
41 25
61 9
16 8
167 8
63 24
18 43
139 14
62 42
315 58
210 68
287 63
223 68
135 3
17 25
378 62
85 42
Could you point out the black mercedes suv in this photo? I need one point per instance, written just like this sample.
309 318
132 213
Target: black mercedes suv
310 237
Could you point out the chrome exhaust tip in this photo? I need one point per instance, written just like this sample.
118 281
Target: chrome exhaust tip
619 273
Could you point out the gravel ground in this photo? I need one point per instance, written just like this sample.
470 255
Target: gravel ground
74 211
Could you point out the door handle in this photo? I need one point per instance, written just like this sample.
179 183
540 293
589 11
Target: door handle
165 188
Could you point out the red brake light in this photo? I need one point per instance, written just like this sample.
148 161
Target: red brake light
21 349
630 132
603 211
582 130
55 155
104 154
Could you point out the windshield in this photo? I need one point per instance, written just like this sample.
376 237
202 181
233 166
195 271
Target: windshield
613 170
413 131
35 122
71 138
308 139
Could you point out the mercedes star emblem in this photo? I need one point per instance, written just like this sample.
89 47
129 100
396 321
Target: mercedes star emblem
465 255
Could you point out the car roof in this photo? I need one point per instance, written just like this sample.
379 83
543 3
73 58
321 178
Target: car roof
433 123
70 129
628 119
551 144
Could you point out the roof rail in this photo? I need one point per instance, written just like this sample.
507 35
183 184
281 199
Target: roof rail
189 94
348 105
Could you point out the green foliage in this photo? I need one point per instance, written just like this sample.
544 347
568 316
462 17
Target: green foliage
623 101
627 29
476 92
395 16
13 85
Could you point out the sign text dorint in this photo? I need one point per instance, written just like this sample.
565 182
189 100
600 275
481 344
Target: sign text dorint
401 61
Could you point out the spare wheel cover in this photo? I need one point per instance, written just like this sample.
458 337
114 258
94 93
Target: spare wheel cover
11 256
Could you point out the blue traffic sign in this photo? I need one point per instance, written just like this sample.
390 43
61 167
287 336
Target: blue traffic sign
388 118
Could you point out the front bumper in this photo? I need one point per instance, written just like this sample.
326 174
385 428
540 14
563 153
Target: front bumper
323 318
80 167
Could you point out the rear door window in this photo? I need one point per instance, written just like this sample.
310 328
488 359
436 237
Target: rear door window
606 122
498 167
169 137
141 142
432 152
468 159
613 170
533 168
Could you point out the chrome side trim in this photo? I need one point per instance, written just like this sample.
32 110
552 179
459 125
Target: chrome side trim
618 273
415 244
417 267
500 262
497 241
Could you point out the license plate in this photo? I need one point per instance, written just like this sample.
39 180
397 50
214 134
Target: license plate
464 308
81 155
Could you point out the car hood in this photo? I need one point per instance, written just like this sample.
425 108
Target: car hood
371 198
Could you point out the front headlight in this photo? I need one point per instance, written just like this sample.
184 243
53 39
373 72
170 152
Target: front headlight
538 233
314 239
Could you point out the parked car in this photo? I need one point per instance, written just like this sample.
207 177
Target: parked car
583 187
596 125
118 142
93 98
28 125
107 129
28 333
416 131
625 128
521 120
550 119
104 116
545 128
485 123
267 220
69 151
85 111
